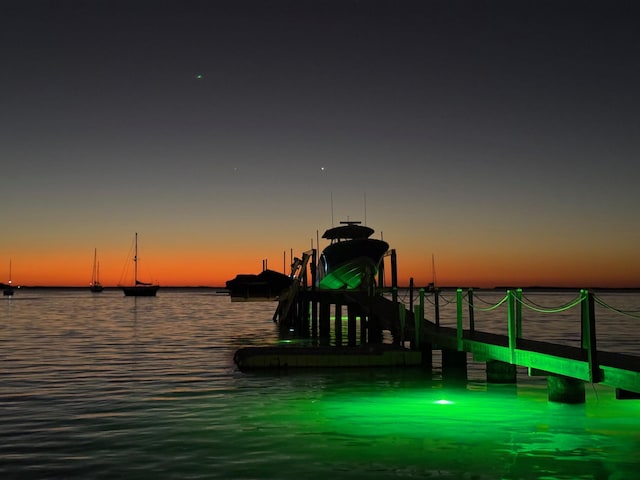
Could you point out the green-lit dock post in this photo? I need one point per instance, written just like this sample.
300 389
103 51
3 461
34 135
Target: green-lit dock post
454 362
325 323
501 372
351 325
505 372
588 334
563 389
426 349
338 324
314 299
519 313
511 319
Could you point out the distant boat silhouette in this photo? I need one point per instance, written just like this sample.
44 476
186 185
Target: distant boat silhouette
96 286
139 289
267 285
8 288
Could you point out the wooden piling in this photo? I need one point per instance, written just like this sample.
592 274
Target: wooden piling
563 389
501 372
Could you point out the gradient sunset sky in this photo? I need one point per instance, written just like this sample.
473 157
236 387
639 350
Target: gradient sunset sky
500 137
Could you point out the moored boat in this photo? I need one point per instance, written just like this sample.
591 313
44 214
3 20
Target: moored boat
265 286
139 289
352 258
7 289
95 285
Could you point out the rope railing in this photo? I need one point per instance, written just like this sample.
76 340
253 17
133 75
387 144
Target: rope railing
525 301
627 313
484 309
540 309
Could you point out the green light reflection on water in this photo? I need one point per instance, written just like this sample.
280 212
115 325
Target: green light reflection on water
497 431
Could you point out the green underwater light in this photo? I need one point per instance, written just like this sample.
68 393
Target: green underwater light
379 423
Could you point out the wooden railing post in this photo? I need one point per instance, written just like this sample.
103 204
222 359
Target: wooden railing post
511 320
436 303
588 334
519 313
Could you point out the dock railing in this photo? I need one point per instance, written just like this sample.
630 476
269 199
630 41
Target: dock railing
570 353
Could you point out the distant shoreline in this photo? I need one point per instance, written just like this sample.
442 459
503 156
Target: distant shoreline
223 289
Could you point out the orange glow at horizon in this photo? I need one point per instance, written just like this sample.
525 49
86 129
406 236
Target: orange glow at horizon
193 268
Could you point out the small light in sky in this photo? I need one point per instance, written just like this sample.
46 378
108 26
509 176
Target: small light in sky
322 169
199 76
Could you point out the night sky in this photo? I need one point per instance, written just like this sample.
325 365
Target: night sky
500 138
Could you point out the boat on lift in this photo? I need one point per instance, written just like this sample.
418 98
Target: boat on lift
352 258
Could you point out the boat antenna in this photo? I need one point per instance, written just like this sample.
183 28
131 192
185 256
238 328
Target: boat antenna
433 269
332 224
365 208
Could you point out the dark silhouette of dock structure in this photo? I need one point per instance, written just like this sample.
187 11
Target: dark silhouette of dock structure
305 312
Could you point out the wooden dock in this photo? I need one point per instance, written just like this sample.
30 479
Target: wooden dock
306 313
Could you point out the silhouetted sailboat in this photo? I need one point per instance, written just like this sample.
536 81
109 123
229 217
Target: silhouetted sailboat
8 288
139 289
96 286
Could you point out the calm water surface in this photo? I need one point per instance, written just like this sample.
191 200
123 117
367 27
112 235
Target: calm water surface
107 386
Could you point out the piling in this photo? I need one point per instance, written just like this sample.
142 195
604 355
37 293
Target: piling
501 372
563 389
454 364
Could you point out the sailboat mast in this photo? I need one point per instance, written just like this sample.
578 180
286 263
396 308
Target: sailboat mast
135 261
95 256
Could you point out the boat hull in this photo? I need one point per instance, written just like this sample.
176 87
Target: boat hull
349 264
268 285
141 291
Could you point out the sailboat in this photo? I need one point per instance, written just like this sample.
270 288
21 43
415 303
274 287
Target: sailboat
8 288
139 289
96 286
